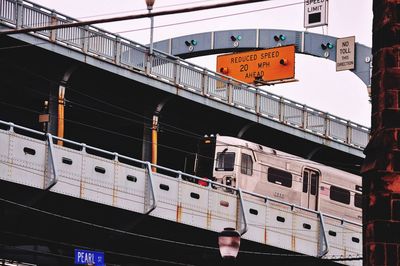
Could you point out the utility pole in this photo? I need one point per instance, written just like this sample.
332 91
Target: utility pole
381 169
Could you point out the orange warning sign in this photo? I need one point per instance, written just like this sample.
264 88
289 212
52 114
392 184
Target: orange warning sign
262 65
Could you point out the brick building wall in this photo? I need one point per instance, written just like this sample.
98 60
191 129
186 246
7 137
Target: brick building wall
381 169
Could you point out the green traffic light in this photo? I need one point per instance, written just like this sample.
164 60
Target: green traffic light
328 45
239 37
194 42
282 37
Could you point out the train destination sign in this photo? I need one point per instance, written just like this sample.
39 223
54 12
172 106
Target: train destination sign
345 53
315 13
257 66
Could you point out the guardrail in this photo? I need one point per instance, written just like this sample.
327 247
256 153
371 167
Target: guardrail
125 53
85 171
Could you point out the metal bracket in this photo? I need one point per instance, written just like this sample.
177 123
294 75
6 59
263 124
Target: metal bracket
51 164
150 201
323 238
242 215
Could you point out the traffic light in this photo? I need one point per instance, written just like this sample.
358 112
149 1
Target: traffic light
236 38
191 43
283 61
328 45
280 37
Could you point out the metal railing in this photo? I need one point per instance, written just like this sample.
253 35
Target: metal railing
184 75
150 197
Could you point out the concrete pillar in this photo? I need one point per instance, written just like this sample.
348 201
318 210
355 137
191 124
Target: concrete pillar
381 169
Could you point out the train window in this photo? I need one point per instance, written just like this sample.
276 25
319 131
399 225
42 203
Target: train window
225 161
305 182
314 182
66 160
246 166
131 178
339 194
279 177
358 200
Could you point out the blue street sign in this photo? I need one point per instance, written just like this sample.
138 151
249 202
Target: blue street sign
88 257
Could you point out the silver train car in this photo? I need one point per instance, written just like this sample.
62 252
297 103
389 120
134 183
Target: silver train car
268 172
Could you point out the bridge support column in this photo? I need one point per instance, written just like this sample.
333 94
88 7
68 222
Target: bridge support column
381 169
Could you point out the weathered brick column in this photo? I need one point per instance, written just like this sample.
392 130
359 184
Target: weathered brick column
381 169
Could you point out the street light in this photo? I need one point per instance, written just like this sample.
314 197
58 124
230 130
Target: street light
150 4
229 243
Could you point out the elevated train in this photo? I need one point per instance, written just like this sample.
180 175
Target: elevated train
268 172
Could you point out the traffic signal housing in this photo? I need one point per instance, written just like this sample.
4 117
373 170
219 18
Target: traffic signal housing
236 38
280 37
327 45
191 43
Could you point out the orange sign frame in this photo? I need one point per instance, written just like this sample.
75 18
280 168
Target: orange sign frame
262 65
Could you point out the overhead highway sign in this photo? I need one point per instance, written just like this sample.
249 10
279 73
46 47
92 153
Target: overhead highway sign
262 65
345 52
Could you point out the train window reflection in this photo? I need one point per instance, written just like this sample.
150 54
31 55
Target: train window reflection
225 161
246 166
339 194
279 177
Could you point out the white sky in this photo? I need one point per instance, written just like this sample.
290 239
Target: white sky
340 93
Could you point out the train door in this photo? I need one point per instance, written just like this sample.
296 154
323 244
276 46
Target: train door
309 197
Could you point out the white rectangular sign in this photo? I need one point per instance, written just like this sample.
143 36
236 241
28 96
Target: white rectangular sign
315 13
345 51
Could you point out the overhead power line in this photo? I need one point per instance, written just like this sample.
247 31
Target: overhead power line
129 17
143 9
214 17
173 242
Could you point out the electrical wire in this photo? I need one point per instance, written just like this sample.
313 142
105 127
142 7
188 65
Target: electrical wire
133 138
143 9
176 129
185 152
185 210
270 176
143 236
253 11
80 246
129 17
101 129
166 126
211 18
169 25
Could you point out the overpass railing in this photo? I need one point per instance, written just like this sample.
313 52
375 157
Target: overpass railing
36 159
125 53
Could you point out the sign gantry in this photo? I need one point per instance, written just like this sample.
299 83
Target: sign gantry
308 43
